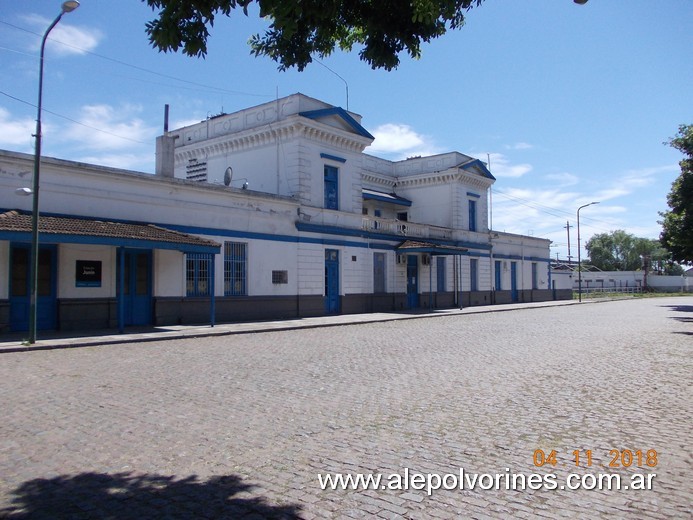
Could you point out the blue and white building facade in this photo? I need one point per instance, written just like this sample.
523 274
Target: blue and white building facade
275 211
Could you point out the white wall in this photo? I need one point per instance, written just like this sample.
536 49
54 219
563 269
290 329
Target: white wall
562 279
265 257
617 279
679 283
169 273
311 269
431 204
68 254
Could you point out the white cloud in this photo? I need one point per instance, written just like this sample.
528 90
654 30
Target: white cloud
501 167
128 161
611 193
71 39
64 39
646 176
631 181
103 127
399 141
519 146
185 122
16 132
563 179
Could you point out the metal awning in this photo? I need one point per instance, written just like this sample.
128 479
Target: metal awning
385 197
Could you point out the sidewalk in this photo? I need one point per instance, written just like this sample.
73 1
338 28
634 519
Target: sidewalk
13 342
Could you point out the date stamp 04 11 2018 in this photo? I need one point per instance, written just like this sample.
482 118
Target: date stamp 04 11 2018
618 458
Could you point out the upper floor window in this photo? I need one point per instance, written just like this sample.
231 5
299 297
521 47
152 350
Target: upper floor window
331 187
472 215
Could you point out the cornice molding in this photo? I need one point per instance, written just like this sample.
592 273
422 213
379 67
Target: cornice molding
450 176
378 179
291 128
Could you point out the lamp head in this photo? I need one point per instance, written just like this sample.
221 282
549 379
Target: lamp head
70 6
23 192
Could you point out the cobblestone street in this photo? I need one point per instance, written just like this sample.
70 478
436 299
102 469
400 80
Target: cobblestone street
241 426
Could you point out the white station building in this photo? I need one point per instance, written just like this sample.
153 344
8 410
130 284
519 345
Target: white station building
270 212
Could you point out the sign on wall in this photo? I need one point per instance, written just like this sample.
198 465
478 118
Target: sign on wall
88 273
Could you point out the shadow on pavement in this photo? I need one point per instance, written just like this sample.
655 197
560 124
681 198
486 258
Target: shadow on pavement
681 308
140 496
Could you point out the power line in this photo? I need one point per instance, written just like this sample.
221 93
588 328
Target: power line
551 211
136 67
74 121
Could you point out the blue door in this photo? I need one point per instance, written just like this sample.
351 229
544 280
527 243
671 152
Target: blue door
331 281
498 275
137 287
412 281
20 288
513 281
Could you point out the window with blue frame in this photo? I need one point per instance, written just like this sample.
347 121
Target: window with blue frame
235 269
535 277
440 273
331 187
198 269
473 274
472 215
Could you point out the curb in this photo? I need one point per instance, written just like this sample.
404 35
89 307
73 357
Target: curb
145 337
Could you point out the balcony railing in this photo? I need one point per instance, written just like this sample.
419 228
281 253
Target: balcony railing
405 229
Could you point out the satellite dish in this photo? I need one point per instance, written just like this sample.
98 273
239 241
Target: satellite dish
228 175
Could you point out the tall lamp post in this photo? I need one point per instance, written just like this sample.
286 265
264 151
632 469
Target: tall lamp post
579 259
67 7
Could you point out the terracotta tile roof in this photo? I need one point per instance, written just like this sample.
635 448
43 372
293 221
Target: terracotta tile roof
435 248
413 244
21 222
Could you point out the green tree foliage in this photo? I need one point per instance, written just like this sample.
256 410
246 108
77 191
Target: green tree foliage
677 226
613 251
621 251
302 28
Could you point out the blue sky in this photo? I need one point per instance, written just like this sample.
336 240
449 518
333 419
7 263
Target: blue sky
570 103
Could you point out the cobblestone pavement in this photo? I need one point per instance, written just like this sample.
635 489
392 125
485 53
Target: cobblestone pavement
241 426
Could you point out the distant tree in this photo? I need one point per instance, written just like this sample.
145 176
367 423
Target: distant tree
301 28
677 226
613 251
621 251
656 258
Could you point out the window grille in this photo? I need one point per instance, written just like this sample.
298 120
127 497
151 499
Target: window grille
279 277
235 269
198 272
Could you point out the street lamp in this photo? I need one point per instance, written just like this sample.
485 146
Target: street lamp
67 7
579 260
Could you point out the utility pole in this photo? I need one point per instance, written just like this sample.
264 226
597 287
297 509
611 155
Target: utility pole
567 227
